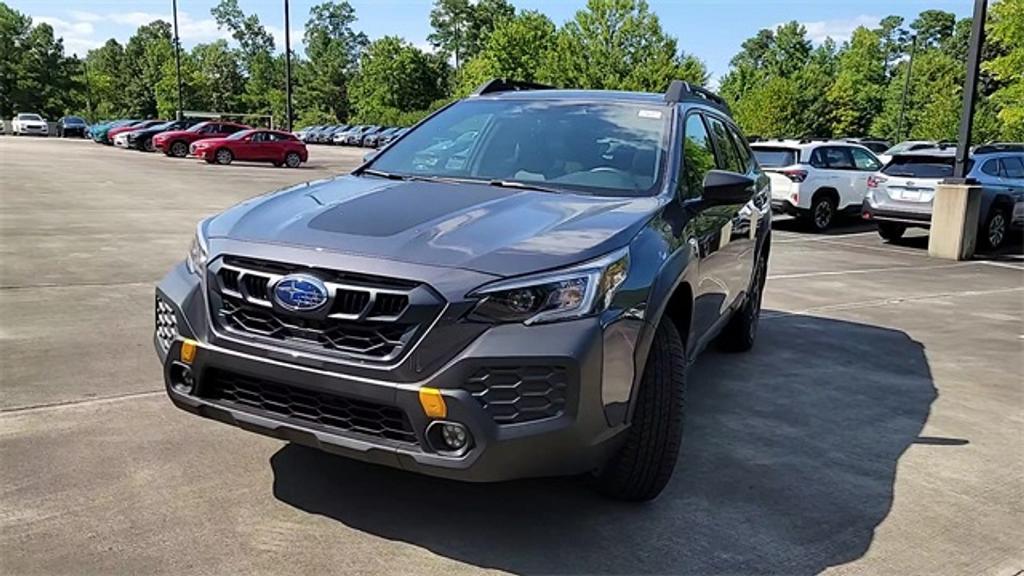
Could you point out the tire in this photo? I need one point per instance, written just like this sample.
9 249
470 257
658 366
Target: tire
148 146
178 149
741 331
822 213
292 160
642 467
891 231
992 234
223 156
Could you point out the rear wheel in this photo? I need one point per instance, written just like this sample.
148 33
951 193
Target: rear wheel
741 331
179 149
641 469
823 212
224 156
891 231
993 232
292 160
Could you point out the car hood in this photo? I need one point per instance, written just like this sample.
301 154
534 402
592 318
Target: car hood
483 228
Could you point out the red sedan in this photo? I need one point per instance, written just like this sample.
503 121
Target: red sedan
280 148
176 142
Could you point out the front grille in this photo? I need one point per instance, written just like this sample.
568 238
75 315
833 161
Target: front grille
166 324
520 394
326 410
369 318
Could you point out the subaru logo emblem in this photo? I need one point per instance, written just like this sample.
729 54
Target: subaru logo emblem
300 293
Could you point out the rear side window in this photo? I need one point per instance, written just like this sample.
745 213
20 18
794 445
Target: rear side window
991 167
729 157
1013 167
742 148
776 157
833 158
934 167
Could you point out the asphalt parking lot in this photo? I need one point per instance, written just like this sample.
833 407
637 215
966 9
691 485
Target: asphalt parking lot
875 429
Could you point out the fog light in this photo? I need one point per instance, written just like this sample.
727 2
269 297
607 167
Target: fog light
455 436
181 378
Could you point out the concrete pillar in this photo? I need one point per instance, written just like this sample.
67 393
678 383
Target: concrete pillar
954 229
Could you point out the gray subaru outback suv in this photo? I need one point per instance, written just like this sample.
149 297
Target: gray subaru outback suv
522 305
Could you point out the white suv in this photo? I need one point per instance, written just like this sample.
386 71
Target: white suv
816 179
29 124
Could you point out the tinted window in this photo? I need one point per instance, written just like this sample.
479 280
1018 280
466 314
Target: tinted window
603 148
1013 167
729 158
231 128
698 156
934 167
832 158
742 148
991 167
864 161
776 157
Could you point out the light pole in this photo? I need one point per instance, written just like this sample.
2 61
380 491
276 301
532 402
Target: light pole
906 88
177 55
287 70
970 90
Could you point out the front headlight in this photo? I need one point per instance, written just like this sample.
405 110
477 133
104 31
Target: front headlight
578 291
197 253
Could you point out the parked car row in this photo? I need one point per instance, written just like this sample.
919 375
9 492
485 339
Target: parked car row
215 141
817 180
367 136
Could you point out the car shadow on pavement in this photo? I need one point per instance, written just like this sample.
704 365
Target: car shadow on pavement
787 466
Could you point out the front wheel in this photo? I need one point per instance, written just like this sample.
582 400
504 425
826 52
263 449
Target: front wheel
148 145
993 232
292 160
641 469
224 156
891 231
179 149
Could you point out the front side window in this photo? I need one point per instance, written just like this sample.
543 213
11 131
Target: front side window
865 161
605 148
698 156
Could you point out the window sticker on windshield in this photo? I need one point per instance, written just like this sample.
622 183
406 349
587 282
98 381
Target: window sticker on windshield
654 114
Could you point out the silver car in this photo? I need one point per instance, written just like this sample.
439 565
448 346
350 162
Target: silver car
901 194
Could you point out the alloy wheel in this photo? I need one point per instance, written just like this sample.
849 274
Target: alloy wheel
293 160
996 230
223 156
823 214
179 149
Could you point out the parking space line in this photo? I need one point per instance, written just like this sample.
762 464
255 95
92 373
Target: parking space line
909 252
794 238
869 271
1008 265
888 301
17 410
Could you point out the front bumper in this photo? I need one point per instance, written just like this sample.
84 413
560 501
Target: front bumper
37 130
575 440
121 141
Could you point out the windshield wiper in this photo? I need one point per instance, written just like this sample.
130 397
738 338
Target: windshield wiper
382 174
523 186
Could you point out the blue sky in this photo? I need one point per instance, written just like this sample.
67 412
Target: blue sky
710 29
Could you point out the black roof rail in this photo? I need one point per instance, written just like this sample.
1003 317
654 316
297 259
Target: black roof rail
679 91
809 139
999 147
507 85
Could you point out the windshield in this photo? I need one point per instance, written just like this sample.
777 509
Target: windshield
775 157
614 149
32 117
164 125
930 167
73 120
240 135
198 127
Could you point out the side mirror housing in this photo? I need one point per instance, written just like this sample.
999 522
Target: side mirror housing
723 188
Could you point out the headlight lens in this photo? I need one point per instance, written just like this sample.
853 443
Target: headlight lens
572 293
197 254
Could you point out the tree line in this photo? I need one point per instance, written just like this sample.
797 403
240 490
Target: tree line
778 84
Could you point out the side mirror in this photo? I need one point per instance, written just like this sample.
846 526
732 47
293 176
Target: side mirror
723 188
369 156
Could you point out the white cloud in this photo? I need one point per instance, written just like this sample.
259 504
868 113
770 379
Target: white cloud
278 33
189 29
81 16
838 30
79 37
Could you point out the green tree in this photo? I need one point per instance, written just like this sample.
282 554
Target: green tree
461 27
333 48
264 86
618 45
516 49
145 55
35 75
1007 32
394 77
933 28
857 94
220 82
